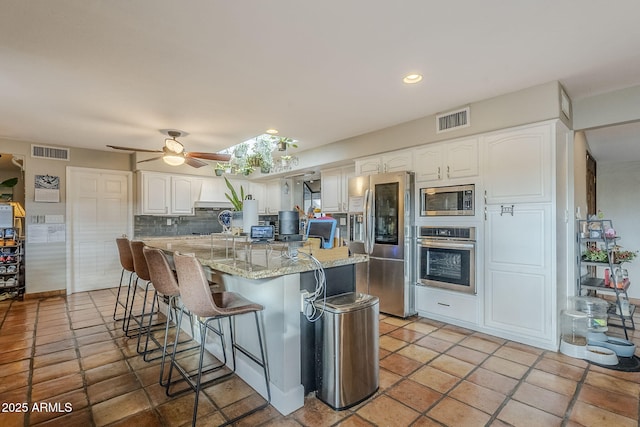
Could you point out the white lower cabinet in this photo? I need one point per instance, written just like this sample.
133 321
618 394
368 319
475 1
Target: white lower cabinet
448 306
519 286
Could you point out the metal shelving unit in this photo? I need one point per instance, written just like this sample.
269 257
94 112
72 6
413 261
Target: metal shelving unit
11 264
595 239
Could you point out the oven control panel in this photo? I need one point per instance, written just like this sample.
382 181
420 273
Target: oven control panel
461 233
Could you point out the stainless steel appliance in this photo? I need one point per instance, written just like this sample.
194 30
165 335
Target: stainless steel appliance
381 225
447 201
447 258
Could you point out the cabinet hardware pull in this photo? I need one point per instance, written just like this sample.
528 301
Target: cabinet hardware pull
485 213
444 305
448 174
439 172
506 210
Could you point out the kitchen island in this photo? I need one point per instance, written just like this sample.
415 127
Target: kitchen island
271 275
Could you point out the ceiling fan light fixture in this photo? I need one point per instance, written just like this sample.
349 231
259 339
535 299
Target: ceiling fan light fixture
173 159
173 145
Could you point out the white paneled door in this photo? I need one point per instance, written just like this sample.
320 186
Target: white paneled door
99 209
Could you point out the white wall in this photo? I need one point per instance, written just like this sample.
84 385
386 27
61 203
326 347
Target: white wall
619 199
46 263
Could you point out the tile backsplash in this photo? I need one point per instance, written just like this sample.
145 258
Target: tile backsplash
205 221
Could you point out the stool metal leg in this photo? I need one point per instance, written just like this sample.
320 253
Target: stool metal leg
262 362
118 302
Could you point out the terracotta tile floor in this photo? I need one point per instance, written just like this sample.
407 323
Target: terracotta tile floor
69 353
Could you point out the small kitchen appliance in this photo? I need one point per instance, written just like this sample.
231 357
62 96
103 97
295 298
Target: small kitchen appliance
457 200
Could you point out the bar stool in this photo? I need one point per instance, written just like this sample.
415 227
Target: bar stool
198 299
142 273
126 261
166 286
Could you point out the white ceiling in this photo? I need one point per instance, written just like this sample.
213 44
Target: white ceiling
86 73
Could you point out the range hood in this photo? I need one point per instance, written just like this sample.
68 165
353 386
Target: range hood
212 195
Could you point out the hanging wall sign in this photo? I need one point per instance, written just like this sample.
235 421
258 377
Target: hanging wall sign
47 189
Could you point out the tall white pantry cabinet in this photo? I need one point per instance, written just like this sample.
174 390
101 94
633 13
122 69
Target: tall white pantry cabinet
527 226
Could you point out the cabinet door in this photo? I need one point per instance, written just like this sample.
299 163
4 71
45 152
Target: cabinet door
274 197
518 165
155 194
397 161
518 288
462 158
331 190
368 166
183 193
347 174
428 161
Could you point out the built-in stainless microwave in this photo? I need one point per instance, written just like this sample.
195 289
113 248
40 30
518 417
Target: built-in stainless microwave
448 201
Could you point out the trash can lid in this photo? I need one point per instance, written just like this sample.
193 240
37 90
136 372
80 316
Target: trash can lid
347 302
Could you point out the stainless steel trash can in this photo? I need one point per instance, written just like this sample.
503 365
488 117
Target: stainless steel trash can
347 349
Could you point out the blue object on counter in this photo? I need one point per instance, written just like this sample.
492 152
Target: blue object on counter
325 229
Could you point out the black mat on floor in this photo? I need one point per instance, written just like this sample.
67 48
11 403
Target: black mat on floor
625 364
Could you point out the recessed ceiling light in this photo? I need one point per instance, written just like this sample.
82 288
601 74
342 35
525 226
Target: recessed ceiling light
412 78
271 131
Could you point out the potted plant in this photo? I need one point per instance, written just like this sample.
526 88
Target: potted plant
254 160
8 183
284 143
264 147
233 197
222 168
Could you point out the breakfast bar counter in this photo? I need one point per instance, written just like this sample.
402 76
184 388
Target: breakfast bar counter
273 275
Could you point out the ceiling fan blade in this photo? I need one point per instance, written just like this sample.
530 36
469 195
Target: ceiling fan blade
209 156
194 162
148 160
134 149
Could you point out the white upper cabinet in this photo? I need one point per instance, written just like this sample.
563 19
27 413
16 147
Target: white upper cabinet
401 160
268 194
448 160
519 165
154 193
368 166
274 197
397 161
165 194
184 192
334 190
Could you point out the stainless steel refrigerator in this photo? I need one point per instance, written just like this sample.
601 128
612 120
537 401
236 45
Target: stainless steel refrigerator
381 212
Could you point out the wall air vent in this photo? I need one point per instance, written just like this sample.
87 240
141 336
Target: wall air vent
52 153
453 120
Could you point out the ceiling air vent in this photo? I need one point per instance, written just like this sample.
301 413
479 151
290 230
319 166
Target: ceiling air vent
53 153
453 120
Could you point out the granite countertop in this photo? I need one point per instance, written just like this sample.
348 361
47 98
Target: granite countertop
238 257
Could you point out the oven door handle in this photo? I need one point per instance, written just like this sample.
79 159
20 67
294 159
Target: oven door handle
445 245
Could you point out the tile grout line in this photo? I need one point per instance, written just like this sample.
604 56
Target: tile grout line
576 393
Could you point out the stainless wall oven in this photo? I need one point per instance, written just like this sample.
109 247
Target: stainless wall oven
447 258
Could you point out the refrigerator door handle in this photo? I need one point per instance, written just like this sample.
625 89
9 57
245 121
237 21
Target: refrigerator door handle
370 221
